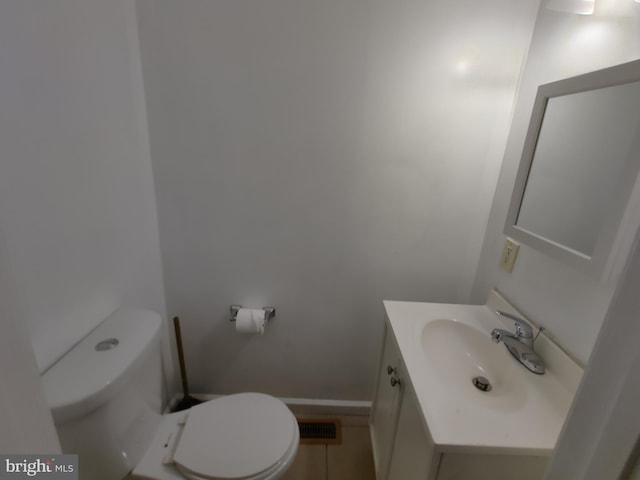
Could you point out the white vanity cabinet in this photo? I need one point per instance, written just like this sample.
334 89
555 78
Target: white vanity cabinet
414 456
402 448
386 406
422 428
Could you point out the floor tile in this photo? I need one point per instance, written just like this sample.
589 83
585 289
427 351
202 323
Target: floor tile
310 464
353 459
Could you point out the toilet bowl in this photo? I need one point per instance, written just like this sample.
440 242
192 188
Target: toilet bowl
104 396
247 436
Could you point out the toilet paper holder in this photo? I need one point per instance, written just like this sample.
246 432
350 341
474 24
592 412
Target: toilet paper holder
269 312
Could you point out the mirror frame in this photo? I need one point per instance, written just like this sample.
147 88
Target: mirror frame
619 230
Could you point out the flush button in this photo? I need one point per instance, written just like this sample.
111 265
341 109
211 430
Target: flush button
107 344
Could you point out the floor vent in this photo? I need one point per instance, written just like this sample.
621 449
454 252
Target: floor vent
320 430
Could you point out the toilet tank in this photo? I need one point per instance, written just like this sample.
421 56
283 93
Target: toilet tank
105 394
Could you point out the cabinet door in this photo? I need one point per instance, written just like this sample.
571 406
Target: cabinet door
413 456
491 467
384 413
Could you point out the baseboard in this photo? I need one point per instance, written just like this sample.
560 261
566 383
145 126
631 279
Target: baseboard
310 406
313 406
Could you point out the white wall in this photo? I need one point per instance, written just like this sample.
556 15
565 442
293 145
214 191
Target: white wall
25 419
599 439
635 474
320 157
570 304
77 202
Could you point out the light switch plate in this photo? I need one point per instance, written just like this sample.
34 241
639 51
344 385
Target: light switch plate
509 255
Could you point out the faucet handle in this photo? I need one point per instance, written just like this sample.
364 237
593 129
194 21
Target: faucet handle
523 329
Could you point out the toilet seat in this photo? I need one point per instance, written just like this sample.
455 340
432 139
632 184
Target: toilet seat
244 435
247 436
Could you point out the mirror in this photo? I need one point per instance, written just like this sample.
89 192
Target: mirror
576 186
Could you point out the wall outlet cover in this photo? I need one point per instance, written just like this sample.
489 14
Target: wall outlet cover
509 254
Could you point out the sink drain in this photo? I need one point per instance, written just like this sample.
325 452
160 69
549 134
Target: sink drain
107 344
482 383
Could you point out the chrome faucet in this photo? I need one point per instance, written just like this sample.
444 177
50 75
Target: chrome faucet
520 343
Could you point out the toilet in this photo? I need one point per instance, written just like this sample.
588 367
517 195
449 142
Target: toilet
105 397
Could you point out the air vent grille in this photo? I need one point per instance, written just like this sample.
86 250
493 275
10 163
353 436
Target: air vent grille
320 430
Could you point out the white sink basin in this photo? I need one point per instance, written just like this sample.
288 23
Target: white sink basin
444 346
458 353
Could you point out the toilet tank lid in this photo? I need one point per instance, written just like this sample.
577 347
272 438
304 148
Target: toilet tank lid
91 372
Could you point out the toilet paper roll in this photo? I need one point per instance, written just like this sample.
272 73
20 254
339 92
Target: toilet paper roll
250 321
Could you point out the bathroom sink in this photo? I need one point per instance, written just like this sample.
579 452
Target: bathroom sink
445 346
459 353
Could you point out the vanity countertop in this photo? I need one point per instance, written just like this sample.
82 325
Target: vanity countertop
522 414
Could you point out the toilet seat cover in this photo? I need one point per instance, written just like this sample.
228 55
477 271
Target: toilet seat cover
235 437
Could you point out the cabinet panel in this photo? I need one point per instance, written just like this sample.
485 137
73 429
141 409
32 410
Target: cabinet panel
413 455
385 407
491 467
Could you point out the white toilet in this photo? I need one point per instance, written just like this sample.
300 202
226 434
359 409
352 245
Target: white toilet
105 396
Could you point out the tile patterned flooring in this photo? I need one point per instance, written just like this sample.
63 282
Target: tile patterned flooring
351 460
